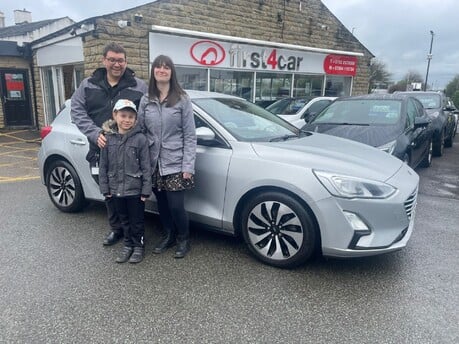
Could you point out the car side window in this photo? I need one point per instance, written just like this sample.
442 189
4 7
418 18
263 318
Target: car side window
411 112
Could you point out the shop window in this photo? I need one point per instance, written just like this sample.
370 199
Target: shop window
53 91
272 86
236 83
192 78
338 86
308 85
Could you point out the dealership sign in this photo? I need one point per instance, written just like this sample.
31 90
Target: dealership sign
340 65
192 51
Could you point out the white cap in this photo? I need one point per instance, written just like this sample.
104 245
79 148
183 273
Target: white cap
124 103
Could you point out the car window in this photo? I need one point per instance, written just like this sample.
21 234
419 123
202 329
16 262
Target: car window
429 101
319 106
411 113
358 111
245 120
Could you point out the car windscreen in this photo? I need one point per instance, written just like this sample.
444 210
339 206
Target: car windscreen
429 101
361 112
288 106
245 120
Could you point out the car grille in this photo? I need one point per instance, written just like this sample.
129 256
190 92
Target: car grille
410 203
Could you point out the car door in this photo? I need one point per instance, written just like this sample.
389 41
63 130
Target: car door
205 202
419 137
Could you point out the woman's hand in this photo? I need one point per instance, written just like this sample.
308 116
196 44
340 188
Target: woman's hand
187 175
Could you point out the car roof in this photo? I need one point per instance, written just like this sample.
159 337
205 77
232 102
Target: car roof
379 96
194 94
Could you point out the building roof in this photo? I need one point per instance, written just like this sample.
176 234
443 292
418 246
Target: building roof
25 28
8 48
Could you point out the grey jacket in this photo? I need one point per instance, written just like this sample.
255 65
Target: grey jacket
125 168
171 134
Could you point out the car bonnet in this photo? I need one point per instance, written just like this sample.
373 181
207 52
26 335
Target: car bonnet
333 154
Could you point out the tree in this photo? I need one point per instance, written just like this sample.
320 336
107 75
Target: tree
455 98
452 87
379 76
405 83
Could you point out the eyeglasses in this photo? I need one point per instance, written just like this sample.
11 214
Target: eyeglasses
114 61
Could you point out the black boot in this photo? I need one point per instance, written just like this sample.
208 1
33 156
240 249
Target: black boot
124 255
165 243
183 247
112 238
137 255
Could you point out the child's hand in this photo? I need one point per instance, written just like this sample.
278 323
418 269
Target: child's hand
143 199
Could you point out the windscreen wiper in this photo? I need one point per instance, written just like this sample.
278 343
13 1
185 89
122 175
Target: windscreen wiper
283 138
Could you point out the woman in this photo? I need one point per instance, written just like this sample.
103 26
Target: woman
166 115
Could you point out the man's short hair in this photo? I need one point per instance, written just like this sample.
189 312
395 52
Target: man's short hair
115 47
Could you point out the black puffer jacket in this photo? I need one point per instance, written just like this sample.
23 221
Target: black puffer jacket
125 168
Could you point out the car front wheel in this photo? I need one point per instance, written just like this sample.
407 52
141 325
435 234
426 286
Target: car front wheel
439 144
427 159
278 230
64 187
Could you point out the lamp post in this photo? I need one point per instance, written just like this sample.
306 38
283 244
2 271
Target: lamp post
429 57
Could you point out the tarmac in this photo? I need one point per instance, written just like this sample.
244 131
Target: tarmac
18 155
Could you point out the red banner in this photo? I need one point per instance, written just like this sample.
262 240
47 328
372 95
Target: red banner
340 65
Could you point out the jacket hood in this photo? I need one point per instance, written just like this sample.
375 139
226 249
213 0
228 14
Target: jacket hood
111 128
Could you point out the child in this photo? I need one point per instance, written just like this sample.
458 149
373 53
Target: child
125 174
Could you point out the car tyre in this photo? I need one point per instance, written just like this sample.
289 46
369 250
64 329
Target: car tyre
64 187
449 141
439 145
427 159
278 230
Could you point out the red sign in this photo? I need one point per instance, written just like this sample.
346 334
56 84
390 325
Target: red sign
340 65
207 53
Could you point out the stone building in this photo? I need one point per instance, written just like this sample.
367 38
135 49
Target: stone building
16 78
260 50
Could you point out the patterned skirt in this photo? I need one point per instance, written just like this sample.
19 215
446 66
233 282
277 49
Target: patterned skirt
171 182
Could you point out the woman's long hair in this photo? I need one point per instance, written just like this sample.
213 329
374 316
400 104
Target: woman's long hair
175 90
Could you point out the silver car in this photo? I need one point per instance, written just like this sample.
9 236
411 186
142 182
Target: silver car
288 193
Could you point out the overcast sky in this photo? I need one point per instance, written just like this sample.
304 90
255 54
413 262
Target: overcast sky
397 32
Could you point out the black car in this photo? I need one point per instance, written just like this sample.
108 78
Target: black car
395 123
441 115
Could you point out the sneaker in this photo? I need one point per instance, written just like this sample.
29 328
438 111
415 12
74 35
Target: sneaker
137 255
124 255
183 247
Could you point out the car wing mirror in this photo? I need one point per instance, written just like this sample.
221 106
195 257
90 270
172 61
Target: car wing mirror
420 122
205 134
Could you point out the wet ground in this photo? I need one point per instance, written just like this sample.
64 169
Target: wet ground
18 155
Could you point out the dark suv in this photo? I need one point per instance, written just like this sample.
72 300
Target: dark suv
436 106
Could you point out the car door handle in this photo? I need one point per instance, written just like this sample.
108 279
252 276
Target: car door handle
78 142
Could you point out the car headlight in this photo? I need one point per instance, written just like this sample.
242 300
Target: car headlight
353 187
388 147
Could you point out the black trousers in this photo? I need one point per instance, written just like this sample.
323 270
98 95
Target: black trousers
131 212
172 213
113 219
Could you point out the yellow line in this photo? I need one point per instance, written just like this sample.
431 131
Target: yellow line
18 179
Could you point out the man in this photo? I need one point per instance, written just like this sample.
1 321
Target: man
92 105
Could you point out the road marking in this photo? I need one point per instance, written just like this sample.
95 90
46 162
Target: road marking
17 179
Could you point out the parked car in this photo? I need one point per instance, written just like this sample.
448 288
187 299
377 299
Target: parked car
298 110
455 113
288 193
442 118
394 123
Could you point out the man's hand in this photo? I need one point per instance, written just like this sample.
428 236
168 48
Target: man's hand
101 140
